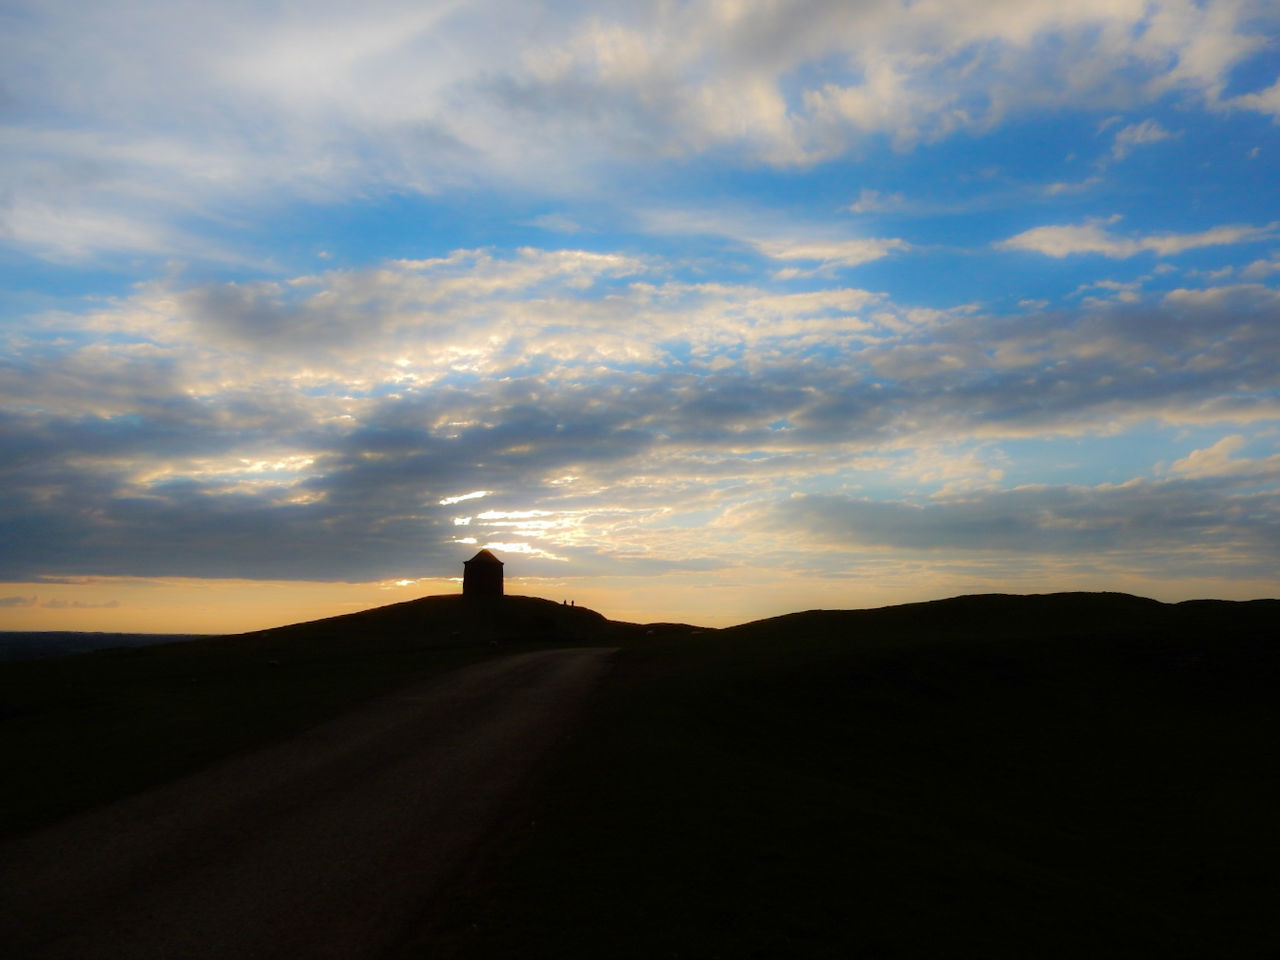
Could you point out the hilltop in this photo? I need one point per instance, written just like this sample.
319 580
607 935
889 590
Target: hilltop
88 728
452 619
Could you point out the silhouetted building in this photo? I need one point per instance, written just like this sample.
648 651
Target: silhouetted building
482 576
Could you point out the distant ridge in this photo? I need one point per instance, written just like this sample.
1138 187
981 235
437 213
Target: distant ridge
1045 615
452 619
531 618
37 644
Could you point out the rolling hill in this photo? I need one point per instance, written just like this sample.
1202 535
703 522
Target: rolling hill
1058 775
1052 776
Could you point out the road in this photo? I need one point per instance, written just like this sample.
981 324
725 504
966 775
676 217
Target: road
327 845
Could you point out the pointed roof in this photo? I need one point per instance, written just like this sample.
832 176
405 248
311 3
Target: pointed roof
484 556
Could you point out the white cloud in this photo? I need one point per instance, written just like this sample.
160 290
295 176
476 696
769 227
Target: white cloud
1061 241
474 495
1210 39
1136 135
67 231
1260 269
243 103
765 232
1093 237
874 201
1263 101
834 253
1217 461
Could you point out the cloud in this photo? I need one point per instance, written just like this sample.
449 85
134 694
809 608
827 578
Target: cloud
1184 522
1136 135
830 254
327 317
873 201
328 427
218 117
764 232
691 78
645 398
59 231
1093 237
1260 269
474 495
18 601
1265 101
1217 461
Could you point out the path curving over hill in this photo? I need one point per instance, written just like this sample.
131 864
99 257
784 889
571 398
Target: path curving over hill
327 845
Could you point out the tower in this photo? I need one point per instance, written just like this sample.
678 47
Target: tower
482 576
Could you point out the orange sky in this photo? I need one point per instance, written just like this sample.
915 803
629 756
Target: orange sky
183 605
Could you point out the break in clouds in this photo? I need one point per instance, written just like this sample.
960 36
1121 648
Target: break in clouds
601 414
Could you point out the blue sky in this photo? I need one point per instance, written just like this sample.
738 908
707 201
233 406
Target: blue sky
697 311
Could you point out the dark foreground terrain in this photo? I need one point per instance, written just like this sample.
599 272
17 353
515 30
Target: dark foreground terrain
1065 775
34 644
329 844
78 731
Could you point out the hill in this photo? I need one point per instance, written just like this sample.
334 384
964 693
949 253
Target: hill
997 615
1057 775
81 730
453 619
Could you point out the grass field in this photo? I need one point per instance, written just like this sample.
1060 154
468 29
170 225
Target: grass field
1073 775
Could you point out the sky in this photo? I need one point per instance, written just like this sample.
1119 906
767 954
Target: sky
688 311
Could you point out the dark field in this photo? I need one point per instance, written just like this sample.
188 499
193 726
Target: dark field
79 731
1014 777
1068 775
34 644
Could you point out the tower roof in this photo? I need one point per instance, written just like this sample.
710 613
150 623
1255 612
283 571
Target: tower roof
484 556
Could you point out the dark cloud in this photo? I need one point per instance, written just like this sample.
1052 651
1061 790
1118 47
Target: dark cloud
370 510
99 479
253 313
1177 522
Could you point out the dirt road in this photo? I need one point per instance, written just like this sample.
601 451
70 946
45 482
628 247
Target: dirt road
327 845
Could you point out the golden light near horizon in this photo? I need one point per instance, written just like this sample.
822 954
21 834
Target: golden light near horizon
917 305
177 605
